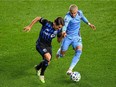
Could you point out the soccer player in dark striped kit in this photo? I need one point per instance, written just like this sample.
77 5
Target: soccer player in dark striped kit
49 30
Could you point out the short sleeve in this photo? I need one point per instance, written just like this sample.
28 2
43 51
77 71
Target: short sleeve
43 21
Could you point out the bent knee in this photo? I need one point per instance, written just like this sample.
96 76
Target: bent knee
79 48
47 56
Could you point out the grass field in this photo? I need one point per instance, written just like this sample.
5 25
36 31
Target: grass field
17 48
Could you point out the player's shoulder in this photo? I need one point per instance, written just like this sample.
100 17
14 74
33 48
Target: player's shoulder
67 16
45 21
80 11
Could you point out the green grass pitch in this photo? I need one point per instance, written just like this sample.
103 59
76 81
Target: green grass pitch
18 56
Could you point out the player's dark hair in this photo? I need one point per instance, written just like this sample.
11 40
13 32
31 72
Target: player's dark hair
59 21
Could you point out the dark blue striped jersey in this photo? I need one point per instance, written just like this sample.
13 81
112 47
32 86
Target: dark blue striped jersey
47 32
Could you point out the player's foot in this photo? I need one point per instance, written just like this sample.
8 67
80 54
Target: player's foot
57 56
41 77
58 53
69 72
37 71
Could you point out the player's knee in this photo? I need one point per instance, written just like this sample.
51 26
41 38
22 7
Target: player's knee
47 56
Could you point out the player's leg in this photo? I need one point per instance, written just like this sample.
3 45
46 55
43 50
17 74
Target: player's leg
58 53
46 62
38 67
46 54
64 46
78 51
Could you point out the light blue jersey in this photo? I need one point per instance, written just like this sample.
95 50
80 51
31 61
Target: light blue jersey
72 25
73 37
72 28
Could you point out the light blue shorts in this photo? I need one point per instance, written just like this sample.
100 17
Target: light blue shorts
76 41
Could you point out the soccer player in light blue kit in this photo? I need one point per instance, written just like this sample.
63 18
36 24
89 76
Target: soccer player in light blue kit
71 33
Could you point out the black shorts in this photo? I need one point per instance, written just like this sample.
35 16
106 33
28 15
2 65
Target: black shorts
43 48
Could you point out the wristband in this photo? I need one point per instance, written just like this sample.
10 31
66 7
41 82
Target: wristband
89 23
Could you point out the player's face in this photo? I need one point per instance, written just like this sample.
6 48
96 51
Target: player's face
73 13
57 27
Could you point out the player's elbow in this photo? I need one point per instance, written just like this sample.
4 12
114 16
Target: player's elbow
38 18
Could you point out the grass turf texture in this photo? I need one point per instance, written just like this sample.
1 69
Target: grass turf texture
17 48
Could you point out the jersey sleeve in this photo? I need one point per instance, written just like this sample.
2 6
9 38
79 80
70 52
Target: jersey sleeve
43 21
66 20
83 18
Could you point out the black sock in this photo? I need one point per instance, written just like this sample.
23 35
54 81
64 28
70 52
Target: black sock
44 66
39 65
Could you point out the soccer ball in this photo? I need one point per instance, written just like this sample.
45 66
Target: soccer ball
75 76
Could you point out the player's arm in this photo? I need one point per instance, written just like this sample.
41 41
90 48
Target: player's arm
28 28
59 39
84 19
66 20
59 36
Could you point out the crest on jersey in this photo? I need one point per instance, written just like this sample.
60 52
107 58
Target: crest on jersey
53 35
44 50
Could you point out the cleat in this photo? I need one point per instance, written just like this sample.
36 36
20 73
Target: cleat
41 77
58 53
57 56
69 72
37 71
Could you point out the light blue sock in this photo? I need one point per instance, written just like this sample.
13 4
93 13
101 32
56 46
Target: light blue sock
75 59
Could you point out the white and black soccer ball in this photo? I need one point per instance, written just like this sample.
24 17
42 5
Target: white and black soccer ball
75 76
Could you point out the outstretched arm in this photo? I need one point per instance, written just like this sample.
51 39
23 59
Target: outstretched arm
87 22
84 19
28 28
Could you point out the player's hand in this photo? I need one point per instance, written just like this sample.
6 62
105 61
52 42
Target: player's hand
64 34
27 28
92 26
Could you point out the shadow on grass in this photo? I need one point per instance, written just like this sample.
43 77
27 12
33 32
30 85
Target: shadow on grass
67 82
